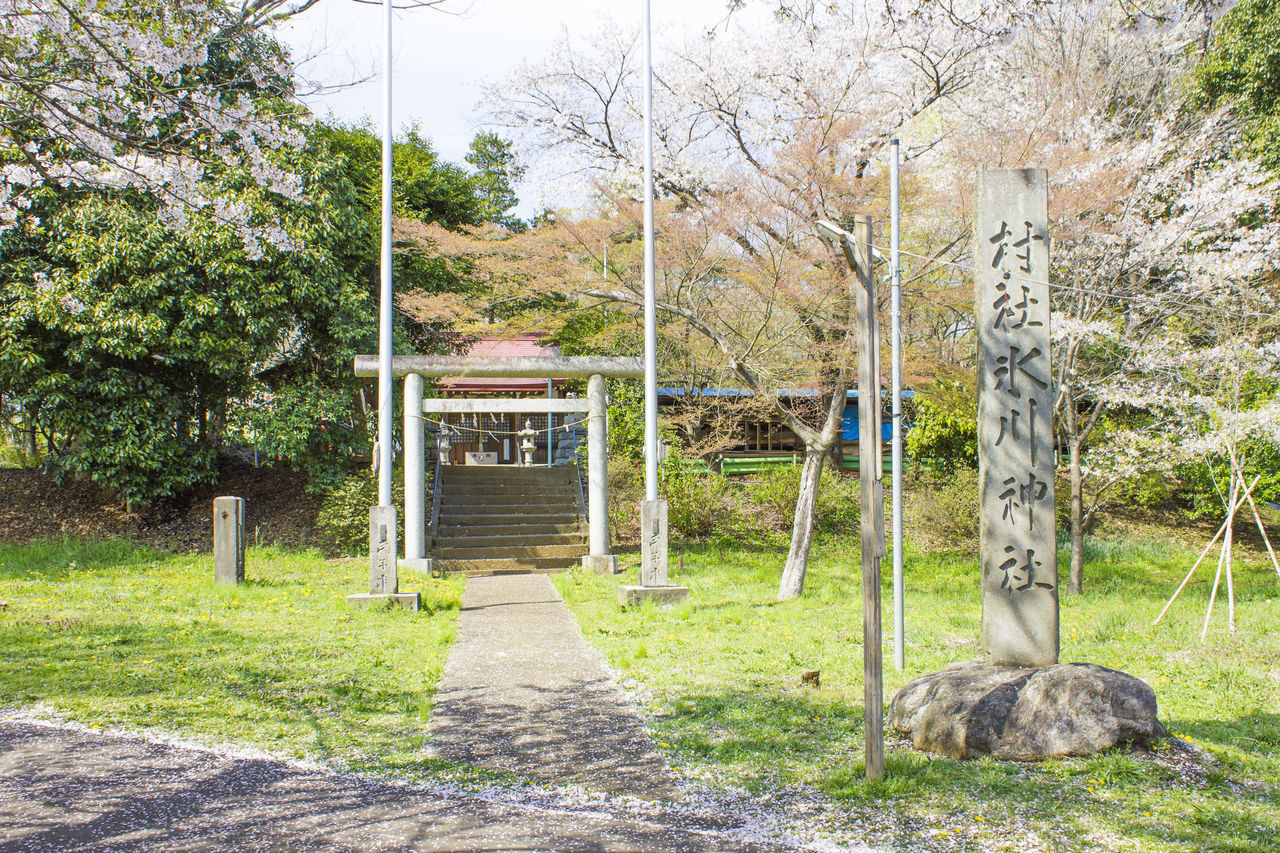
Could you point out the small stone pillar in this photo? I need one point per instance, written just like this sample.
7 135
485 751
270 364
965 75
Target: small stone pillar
228 541
653 543
384 578
415 505
598 560
655 582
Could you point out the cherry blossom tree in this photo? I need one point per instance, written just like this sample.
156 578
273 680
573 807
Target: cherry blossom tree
157 96
763 126
1141 184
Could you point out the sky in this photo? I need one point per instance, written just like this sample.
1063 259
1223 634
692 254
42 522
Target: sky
441 58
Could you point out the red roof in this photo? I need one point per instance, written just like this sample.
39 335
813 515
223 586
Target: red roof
526 344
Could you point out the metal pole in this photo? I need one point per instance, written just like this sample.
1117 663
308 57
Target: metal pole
551 429
650 289
895 369
385 391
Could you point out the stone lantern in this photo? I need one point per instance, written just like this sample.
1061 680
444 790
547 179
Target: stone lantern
527 445
445 444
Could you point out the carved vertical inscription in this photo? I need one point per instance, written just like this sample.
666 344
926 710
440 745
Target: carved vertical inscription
383 573
653 543
1015 429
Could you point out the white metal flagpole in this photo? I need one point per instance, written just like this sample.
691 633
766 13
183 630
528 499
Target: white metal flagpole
650 288
385 403
654 576
895 357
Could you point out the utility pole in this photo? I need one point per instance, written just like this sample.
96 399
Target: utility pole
385 402
871 489
655 583
859 255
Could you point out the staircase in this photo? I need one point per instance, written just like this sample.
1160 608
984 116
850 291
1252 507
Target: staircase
507 519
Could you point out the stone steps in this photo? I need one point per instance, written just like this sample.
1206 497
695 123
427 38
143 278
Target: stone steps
504 474
508 498
544 520
567 553
502 525
500 540
505 566
508 519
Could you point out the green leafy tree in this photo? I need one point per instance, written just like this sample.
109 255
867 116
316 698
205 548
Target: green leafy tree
425 190
136 343
497 171
1242 67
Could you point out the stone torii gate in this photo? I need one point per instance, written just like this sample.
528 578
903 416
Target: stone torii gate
414 368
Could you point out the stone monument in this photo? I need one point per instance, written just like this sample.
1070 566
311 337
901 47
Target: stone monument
655 579
384 576
1019 703
1016 460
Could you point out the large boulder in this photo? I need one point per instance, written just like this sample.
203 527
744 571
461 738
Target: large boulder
1025 714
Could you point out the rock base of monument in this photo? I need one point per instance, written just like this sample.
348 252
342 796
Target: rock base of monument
662 596
1025 714
386 600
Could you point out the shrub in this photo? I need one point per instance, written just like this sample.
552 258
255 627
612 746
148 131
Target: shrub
775 493
342 524
626 490
942 514
1200 488
941 439
701 503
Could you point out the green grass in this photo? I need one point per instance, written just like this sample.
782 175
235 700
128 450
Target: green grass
107 634
723 673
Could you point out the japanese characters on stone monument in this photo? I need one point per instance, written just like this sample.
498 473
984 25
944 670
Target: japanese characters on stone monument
384 576
1015 420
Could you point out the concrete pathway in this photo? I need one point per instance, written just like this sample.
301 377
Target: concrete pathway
64 789
523 692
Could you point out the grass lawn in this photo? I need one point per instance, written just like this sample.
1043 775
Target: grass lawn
721 674
108 634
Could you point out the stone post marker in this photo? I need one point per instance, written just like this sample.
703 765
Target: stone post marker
228 541
384 577
653 538
1016 460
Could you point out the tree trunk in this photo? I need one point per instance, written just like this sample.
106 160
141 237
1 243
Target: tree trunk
29 448
836 457
217 422
1075 577
802 525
